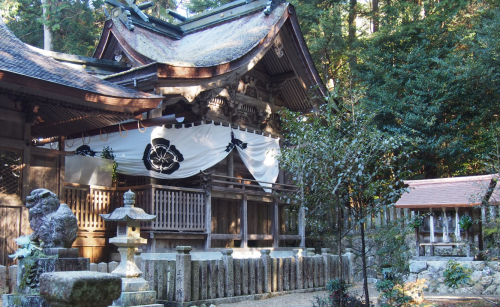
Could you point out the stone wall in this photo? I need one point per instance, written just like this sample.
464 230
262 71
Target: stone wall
485 276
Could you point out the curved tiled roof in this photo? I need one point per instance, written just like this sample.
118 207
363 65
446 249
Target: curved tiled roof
16 57
210 46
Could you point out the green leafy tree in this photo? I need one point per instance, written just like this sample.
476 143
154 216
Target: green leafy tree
343 162
431 72
75 25
200 6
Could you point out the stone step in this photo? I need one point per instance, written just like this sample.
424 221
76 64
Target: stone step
150 305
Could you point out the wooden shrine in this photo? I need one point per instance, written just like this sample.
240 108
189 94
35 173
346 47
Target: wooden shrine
235 65
441 203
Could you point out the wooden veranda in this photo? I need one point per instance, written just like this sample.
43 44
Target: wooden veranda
219 211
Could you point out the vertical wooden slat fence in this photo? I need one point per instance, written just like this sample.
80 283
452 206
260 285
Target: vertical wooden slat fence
211 279
176 208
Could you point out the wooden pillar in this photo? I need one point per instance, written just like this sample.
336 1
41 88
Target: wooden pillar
469 235
480 237
457 225
26 162
417 237
62 164
208 218
244 221
445 227
431 222
275 223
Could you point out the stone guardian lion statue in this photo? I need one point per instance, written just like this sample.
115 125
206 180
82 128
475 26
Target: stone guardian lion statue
52 223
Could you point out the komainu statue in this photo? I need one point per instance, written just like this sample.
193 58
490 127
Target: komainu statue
53 223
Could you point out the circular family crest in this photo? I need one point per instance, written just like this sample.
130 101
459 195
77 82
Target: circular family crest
161 157
85 150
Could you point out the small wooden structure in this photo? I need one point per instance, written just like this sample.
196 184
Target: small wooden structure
442 202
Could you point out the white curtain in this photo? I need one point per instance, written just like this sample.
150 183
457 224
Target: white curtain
171 153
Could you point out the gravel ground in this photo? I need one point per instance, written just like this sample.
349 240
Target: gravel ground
306 299
297 299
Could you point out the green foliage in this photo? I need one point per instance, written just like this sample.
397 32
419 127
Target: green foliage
392 294
393 250
465 222
416 221
432 79
76 24
341 161
107 153
31 276
456 275
200 6
27 247
399 294
337 296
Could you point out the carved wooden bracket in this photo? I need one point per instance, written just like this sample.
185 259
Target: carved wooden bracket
278 46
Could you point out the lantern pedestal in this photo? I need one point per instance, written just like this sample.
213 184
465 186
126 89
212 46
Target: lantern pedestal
135 290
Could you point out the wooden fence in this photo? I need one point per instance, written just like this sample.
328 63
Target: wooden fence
186 280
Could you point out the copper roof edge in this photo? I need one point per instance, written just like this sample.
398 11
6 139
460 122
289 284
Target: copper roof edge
451 180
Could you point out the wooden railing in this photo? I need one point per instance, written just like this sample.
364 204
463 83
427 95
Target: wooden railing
176 208
241 185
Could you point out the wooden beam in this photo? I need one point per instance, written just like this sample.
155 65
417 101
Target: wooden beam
244 222
257 103
216 236
289 237
260 237
178 236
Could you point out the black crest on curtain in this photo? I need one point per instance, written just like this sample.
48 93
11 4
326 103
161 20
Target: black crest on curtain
162 157
85 150
235 142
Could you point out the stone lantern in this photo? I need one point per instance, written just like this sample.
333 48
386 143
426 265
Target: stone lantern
128 236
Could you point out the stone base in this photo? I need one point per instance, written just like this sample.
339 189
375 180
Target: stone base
139 298
61 252
134 285
19 300
47 265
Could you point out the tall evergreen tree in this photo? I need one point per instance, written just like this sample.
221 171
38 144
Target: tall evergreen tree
75 24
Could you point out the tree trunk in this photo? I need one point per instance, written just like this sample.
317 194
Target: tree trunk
339 242
47 32
352 31
375 16
363 256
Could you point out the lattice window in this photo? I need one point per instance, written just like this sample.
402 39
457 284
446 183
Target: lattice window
10 171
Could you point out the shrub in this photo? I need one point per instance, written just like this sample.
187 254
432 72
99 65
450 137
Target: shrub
337 292
456 275
395 294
